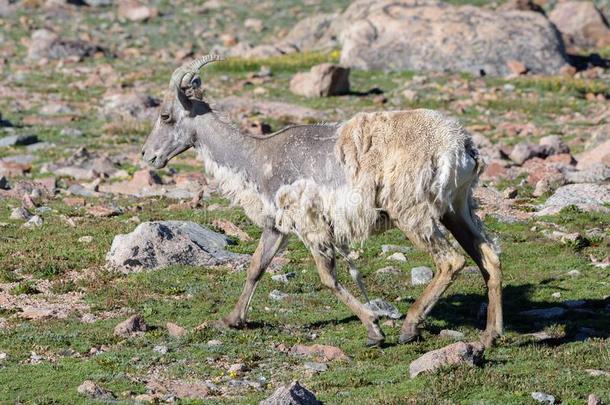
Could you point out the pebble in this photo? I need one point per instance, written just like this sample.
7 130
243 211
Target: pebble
277 295
394 248
34 222
283 278
20 213
421 275
573 273
388 270
543 398
85 239
315 366
160 349
214 342
398 256
452 334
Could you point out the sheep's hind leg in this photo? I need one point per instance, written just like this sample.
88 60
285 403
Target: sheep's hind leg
325 262
448 263
270 243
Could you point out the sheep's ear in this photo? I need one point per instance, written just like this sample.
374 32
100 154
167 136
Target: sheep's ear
183 98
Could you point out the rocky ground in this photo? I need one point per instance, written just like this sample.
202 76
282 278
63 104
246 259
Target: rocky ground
106 293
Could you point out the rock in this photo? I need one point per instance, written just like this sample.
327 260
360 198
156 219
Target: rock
237 107
85 239
394 248
573 273
277 295
524 151
293 394
516 67
82 165
160 349
315 366
37 313
581 23
599 154
13 169
94 391
454 354
18 140
598 373
554 145
214 342
283 278
20 213
4 185
312 32
543 398
322 80
174 330
452 334
593 173
398 256
421 275
429 35
130 105
133 10
389 270
229 228
34 222
254 24
100 211
586 196
384 309
325 352
594 400
46 44
237 369
131 326
545 313
155 245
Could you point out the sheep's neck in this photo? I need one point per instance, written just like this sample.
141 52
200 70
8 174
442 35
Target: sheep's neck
226 146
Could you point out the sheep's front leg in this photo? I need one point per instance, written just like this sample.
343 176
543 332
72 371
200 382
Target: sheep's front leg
325 262
269 244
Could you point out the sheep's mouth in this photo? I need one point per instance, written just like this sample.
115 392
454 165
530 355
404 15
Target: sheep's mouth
157 162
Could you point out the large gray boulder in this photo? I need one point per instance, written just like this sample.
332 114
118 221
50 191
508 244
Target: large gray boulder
159 244
581 23
293 394
586 196
399 35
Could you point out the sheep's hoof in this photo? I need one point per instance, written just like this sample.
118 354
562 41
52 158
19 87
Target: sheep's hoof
410 336
375 337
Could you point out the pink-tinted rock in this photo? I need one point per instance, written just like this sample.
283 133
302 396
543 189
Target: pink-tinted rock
321 81
596 155
130 326
581 23
326 352
454 354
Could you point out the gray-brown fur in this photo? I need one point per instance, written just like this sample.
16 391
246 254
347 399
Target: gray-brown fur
336 184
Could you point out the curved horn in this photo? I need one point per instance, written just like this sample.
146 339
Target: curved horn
184 74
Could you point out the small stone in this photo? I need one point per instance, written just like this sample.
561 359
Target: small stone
326 352
421 275
543 398
18 140
389 270
545 313
92 390
85 239
398 256
556 295
3 356
131 326
34 222
321 81
293 394
510 193
598 373
383 309
277 295
454 354
573 273
283 278
594 400
214 342
20 213
516 67
237 369
452 334
4 183
315 366
229 228
160 349
394 248
174 330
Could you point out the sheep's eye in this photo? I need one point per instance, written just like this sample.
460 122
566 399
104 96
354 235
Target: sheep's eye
166 117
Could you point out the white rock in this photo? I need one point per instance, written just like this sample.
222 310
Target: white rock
421 275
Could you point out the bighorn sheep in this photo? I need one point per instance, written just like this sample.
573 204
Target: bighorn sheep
334 184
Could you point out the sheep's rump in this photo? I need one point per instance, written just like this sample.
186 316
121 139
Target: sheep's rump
411 164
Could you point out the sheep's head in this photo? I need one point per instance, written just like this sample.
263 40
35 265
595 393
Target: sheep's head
174 131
